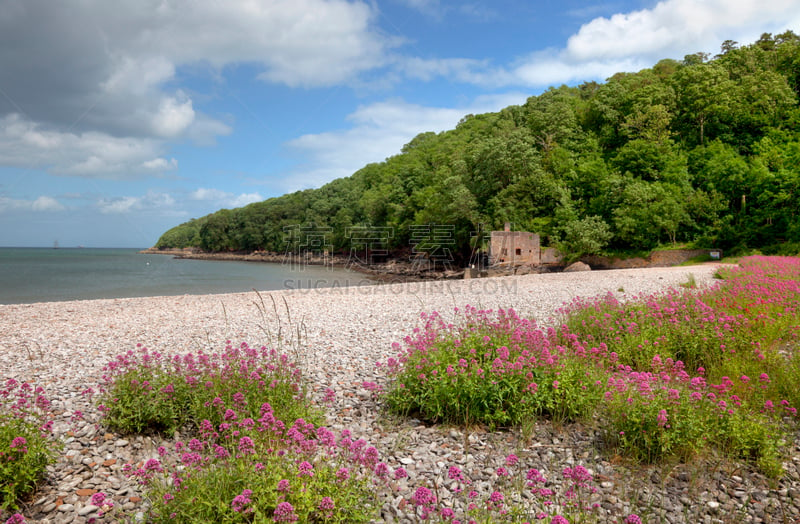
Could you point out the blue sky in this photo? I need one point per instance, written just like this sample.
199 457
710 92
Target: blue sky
119 120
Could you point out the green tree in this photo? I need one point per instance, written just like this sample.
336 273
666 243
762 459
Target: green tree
704 98
585 236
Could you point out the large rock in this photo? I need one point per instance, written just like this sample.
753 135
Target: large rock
523 270
577 266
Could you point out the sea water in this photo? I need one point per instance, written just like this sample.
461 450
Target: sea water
30 275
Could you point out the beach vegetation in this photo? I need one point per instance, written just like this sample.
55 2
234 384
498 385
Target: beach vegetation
256 452
669 376
27 446
145 391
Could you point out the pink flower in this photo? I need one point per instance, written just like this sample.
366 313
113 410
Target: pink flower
344 474
662 418
284 512
98 499
246 446
240 502
381 470
305 469
19 442
454 473
283 486
447 513
423 497
674 394
151 465
330 396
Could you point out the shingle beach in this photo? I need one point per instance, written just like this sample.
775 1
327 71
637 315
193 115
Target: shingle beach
63 346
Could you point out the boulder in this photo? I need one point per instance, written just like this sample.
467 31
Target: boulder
523 270
577 266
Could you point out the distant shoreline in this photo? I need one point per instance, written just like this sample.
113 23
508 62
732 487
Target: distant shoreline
393 271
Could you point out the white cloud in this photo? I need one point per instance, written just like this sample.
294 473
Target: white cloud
97 101
223 198
42 204
137 76
208 194
120 205
680 24
636 40
160 164
92 154
379 130
549 68
153 200
46 203
623 42
246 198
175 115
295 42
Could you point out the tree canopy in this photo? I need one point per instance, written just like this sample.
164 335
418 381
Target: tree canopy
703 151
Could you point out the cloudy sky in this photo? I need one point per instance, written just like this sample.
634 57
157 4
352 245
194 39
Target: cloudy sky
119 120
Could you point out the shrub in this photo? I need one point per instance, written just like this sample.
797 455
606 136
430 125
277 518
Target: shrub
244 463
144 390
652 416
262 471
662 363
25 444
497 369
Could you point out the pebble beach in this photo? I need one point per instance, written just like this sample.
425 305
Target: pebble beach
339 334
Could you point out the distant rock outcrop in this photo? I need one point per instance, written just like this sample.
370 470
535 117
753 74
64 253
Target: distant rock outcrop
577 266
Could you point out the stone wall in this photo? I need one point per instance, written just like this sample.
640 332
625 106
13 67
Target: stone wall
551 257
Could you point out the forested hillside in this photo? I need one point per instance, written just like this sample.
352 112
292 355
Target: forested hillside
704 151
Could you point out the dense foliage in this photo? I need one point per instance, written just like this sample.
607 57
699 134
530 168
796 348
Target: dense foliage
700 150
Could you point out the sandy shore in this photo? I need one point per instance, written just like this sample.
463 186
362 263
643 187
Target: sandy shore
343 333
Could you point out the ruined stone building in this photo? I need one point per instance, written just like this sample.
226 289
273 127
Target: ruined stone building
514 248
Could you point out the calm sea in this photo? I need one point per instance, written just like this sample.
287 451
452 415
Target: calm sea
44 275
